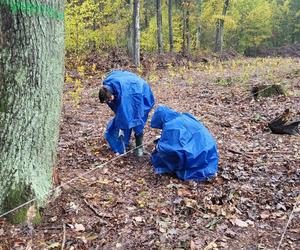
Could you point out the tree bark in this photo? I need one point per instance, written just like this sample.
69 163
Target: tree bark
31 84
220 29
170 19
198 24
146 9
136 32
130 49
159 26
188 35
185 29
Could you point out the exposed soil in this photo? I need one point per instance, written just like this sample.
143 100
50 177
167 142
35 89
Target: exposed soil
124 205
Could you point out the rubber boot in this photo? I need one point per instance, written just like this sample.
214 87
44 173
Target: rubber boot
139 144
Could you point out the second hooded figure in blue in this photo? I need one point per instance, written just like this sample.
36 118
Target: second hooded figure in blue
186 148
131 99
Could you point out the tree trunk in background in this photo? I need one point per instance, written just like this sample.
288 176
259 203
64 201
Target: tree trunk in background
159 26
188 35
220 29
184 30
136 32
171 39
146 9
93 42
130 49
31 85
198 24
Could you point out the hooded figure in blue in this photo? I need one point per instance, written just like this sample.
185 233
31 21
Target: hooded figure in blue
185 148
131 99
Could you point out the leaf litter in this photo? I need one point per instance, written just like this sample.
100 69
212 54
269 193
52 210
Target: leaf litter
126 206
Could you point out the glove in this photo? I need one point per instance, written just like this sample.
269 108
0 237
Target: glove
121 136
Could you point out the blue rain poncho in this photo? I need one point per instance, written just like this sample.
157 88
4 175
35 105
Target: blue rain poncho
133 100
185 148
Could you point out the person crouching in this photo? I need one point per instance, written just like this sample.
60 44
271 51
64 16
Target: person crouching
131 99
185 147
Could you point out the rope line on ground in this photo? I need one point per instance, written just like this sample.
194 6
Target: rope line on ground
74 179
287 224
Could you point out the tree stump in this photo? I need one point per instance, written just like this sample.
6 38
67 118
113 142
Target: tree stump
267 90
283 125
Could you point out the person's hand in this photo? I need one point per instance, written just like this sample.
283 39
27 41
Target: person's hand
156 140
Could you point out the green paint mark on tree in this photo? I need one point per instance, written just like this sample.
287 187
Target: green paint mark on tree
35 9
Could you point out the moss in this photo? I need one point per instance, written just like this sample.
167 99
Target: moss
268 90
14 198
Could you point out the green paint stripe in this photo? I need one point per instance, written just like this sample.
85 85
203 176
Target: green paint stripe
36 9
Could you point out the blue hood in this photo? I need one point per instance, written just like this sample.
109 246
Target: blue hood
162 115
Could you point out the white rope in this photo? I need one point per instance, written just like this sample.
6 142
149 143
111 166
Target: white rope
73 179
287 224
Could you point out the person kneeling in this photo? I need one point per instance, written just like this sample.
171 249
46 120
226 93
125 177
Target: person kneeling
185 147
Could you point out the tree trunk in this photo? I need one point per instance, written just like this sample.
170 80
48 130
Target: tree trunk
171 39
146 9
159 26
188 36
184 30
130 49
198 25
31 84
136 32
220 29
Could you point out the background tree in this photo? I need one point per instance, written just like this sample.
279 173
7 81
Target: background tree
159 26
170 22
31 76
136 32
186 36
220 28
198 24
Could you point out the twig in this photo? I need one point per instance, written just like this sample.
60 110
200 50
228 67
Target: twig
100 215
64 237
238 152
92 208
287 224
247 154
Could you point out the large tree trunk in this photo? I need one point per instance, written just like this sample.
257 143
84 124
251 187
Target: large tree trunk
171 39
220 29
136 32
31 84
159 26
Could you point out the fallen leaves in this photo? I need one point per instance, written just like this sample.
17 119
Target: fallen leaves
252 195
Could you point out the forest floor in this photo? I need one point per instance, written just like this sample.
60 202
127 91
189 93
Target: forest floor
125 205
